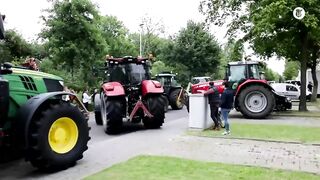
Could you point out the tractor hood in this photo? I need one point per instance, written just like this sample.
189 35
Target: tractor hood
35 73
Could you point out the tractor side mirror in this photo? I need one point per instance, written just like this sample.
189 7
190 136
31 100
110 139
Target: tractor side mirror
6 68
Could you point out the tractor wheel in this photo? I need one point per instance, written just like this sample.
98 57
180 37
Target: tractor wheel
166 102
256 102
58 137
114 113
155 106
176 102
97 110
187 102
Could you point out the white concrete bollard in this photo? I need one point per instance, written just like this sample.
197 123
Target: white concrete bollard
199 112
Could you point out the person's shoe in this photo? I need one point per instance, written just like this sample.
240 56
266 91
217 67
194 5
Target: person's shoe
226 133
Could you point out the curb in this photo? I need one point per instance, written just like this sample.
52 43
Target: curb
262 140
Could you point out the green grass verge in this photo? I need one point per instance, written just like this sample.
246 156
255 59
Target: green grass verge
297 113
290 133
155 167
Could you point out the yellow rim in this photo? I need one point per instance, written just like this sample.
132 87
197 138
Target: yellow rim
63 135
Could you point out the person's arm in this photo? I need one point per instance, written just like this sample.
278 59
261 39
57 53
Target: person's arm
86 97
208 92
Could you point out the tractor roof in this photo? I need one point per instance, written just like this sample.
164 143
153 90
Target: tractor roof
128 59
242 63
165 74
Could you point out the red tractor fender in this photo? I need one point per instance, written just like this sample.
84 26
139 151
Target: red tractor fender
113 89
151 87
250 82
202 87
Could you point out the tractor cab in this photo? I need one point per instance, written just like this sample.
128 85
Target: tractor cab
168 80
239 72
128 71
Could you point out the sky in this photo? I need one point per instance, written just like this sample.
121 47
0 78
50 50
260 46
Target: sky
24 16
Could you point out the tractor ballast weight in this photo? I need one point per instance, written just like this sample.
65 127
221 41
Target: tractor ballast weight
128 92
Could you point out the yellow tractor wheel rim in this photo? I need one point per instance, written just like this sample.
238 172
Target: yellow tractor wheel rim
63 135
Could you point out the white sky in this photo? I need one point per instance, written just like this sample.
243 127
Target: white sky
24 16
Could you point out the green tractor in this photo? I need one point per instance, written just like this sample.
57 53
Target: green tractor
173 91
37 122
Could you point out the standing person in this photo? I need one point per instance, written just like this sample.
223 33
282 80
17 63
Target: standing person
86 99
227 99
214 102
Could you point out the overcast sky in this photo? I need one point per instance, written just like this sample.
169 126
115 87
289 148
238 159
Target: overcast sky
23 15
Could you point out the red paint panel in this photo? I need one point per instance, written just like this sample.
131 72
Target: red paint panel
149 86
113 89
200 88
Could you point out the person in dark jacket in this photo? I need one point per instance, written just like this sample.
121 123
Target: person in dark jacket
226 105
214 102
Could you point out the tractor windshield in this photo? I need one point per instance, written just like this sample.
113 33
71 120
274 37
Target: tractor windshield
237 73
128 74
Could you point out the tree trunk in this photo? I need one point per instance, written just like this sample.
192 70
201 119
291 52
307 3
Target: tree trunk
315 81
303 70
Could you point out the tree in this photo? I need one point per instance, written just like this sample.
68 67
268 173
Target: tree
14 47
270 28
116 36
196 49
291 70
73 36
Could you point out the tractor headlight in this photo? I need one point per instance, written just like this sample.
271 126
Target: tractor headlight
61 83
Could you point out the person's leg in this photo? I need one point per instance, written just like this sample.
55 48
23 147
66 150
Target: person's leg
225 114
86 105
214 112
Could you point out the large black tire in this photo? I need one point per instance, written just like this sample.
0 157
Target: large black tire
155 105
256 102
187 103
115 107
166 102
58 137
97 110
176 103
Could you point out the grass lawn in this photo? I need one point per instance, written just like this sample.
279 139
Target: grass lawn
154 167
268 132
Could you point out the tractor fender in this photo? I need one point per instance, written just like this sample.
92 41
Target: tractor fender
113 89
249 83
151 87
30 109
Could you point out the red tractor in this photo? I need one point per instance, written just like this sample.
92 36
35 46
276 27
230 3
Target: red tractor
129 92
254 97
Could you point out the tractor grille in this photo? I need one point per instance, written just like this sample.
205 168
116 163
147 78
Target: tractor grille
28 83
53 85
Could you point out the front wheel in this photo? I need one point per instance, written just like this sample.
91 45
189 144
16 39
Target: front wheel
155 105
58 137
176 99
256 102
115 109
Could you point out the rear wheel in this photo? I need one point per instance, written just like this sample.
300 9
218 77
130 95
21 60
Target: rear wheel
114 112
155 105
176 102
256 102
58 137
